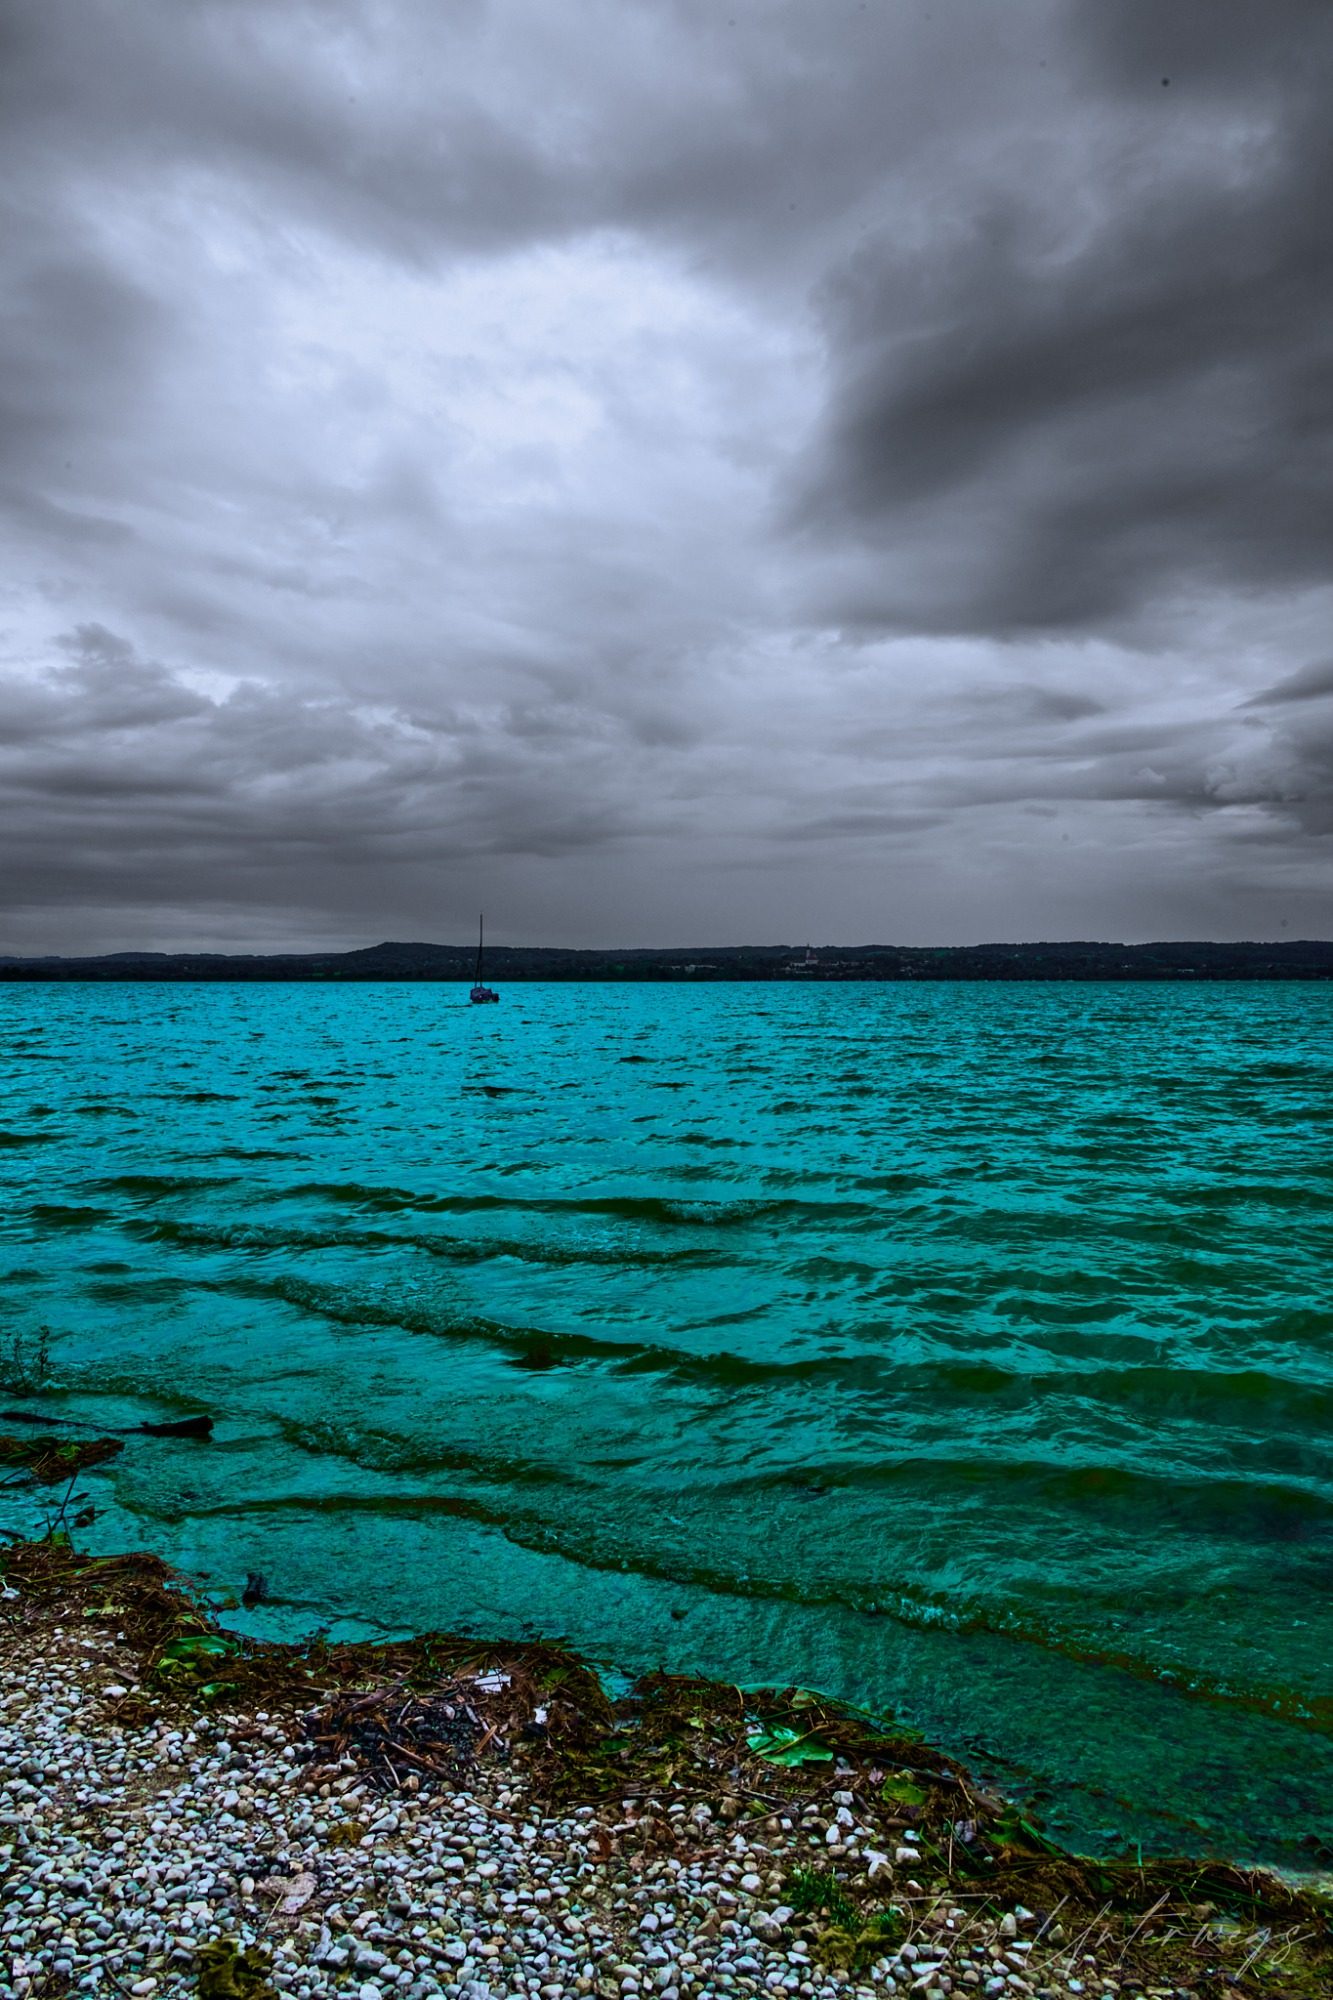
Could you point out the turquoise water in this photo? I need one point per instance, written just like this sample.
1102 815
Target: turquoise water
961 1350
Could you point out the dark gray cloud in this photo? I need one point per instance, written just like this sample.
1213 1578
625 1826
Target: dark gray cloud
1080 399
1297 769
1225 46
672 472
1309 683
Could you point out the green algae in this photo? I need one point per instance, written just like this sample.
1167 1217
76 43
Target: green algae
226 1970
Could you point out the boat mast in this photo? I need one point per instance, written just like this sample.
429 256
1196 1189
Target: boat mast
481 932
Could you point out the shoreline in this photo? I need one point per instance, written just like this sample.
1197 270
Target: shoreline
183 1810
1178 961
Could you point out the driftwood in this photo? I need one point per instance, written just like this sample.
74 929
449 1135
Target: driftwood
178 1427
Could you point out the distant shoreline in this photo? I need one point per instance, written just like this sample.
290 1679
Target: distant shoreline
1304 959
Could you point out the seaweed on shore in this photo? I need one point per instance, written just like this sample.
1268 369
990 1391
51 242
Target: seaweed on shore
405 1740
46 1462
184 1650
690 1761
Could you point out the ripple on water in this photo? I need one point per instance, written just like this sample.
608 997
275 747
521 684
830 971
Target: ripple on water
963 1347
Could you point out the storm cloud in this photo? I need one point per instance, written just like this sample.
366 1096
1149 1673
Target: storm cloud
669 472
1070 404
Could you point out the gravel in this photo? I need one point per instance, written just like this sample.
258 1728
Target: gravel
131 1842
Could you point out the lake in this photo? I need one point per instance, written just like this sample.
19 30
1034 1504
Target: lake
965 1351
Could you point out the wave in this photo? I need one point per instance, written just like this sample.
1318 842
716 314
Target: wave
383 1452
8 1139
1211 1399
1238 1399
152 1187
115 1290
905 1604
256 1153
1248 1509
343 1308
541 1347
1215 1504
275 1237
68 1215
1301 1197
82 1379
659 1209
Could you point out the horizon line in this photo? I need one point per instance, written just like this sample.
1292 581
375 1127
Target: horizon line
642 950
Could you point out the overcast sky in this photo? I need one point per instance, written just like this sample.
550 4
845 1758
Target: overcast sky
668 471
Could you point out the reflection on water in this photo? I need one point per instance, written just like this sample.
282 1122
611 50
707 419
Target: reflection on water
961 1349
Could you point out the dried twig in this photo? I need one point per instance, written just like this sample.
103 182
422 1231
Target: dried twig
1162 1900
1047 1921
1075 1949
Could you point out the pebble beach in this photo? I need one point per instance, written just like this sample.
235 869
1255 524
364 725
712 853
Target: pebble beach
153 1843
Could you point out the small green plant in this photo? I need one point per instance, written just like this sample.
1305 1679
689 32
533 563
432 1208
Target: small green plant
902 1791
890 1926
778 1743
811 1890
852 1939
190 1661
1012 1830
25 1362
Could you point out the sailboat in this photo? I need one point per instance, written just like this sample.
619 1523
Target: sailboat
480 994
